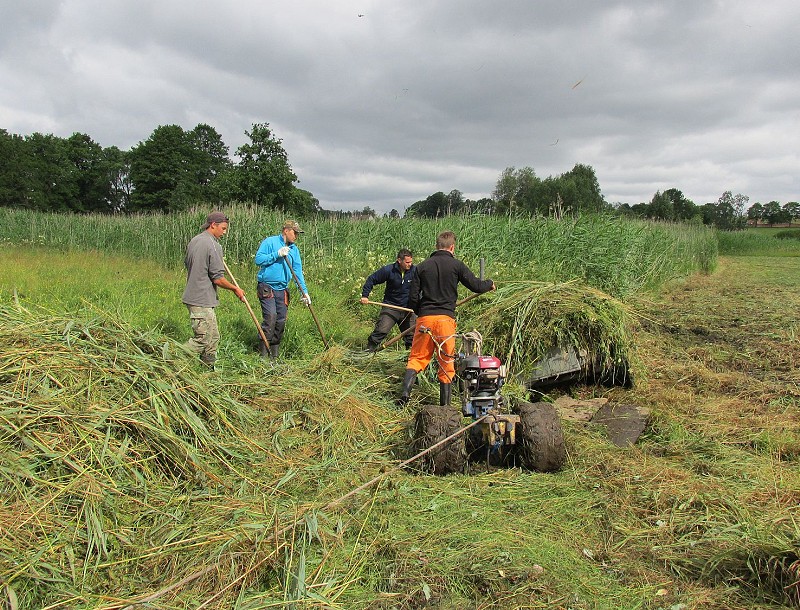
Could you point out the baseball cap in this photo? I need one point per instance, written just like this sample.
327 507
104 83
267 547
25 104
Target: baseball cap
292 224
215 217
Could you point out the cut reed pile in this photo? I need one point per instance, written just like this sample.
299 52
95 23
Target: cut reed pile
124 465
521 321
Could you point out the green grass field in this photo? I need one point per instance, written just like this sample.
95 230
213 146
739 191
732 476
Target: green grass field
129 473
760 242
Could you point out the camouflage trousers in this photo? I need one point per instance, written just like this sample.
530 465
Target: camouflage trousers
206 333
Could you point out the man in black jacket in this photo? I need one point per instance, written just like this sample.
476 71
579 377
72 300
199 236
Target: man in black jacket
397 277
432 296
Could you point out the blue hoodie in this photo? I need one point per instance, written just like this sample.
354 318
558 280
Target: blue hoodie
272 270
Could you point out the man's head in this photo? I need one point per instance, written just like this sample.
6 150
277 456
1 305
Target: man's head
290 231
446 240
405 259
216 224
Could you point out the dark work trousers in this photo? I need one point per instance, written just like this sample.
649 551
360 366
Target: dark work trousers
387 318
274 308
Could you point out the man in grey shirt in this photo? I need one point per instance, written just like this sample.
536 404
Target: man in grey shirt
205 271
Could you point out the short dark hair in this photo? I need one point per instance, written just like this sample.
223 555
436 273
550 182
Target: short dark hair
445 239
403 252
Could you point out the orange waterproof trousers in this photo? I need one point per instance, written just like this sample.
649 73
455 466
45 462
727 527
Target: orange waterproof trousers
423 346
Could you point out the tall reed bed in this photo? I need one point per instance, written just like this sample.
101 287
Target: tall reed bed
619 256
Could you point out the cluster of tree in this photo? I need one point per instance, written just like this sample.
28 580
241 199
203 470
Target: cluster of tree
366 213
521 191
175 169
774 213
172 170
669 205
727 213
439 204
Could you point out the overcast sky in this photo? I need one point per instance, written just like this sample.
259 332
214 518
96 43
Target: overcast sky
381 103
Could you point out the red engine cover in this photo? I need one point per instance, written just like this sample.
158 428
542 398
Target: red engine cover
488 362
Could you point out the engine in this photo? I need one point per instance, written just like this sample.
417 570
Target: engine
481 378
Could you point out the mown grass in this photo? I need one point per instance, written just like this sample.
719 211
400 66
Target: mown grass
725 388
150 478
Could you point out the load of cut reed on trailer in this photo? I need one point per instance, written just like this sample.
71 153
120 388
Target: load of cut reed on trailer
525 320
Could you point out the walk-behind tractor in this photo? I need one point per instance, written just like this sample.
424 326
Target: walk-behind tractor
529 435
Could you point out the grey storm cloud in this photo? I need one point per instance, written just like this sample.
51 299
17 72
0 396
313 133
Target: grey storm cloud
383 103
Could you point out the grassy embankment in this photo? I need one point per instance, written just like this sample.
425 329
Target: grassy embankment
128 472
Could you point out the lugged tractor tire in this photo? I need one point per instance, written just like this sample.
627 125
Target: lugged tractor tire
431 425
540 442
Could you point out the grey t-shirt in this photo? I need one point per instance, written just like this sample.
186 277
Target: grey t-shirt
203 264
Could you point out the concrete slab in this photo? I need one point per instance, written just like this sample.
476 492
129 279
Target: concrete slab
624 423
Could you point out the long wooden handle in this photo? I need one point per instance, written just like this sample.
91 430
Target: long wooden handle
389 306
469 298
313 315
394 340
250 309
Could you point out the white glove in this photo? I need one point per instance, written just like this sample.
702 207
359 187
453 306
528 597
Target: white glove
283 251
306 299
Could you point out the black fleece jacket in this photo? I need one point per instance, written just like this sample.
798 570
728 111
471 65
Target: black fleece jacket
434 289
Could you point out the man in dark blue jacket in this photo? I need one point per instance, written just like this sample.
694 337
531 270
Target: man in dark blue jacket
397 276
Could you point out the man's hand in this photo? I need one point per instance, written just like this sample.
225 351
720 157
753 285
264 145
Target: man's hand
284 251
239 293
306 299
364 300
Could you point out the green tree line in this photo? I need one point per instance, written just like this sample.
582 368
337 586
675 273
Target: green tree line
774 213
174 169
522 192
728 212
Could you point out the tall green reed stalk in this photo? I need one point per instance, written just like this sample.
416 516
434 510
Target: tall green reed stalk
616 255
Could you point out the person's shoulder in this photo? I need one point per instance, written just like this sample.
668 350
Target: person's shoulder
203 236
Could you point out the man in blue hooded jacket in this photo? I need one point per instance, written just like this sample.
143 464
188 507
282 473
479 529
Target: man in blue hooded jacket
274 257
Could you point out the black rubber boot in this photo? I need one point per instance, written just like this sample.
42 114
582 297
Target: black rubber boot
263 351
408 382
274 349
445 393
208 360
